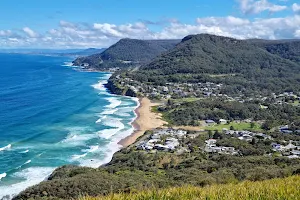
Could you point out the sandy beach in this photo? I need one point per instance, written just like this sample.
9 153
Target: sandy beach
146 120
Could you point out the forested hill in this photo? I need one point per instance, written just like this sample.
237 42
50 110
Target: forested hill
240 64
289 49
127 52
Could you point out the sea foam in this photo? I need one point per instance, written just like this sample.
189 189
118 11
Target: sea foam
109 111
100 85
68 64
78 136
113 122
26 151
5 148
114 102
3 175
108 133
32 176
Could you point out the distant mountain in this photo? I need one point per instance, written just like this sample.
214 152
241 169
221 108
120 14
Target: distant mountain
127 52
240 64
55 52
88 52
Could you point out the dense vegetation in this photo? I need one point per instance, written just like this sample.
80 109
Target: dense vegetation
189 113
136 51
132 171
241 65
289 49
286 188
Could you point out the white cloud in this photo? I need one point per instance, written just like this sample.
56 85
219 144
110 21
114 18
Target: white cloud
108 29
30 32
217 21
258 6
272 28
79 35
296 8
297 33
5 33
122 31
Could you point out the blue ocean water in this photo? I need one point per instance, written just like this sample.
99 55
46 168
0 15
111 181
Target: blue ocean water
52 115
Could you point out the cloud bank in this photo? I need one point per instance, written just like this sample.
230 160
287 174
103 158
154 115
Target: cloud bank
82 35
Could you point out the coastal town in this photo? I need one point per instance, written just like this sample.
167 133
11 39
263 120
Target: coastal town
200 90
177 141
250 132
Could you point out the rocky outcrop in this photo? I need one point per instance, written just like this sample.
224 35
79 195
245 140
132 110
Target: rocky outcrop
113 87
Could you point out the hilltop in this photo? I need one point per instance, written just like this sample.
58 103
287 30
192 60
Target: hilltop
126 52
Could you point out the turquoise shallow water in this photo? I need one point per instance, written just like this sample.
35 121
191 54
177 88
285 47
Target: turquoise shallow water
52 115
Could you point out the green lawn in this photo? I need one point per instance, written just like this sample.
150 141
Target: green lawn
182 100
236 126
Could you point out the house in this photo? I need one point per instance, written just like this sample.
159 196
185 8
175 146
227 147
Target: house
245 137
160 147
85 65
211 147
285 129
295 152
211 142
223 121
165 89
293 156
210 122
290 146
180 133
277 147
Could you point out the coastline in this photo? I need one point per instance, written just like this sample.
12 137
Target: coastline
145 120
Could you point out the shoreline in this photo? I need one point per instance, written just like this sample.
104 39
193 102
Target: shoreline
145 120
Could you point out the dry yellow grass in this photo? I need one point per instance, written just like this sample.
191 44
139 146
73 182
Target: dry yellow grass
275 189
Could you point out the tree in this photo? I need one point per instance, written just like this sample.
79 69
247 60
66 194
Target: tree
232 128
210 134
217 135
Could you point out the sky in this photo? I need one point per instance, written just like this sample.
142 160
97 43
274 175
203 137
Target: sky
65 24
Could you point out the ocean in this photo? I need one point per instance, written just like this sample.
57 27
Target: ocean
51 115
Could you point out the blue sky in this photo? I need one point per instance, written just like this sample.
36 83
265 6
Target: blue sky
100 23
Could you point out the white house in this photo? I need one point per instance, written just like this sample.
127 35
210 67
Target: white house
223 121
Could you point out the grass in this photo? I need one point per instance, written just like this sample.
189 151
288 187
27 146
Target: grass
296 103
237 126
185 100
286 188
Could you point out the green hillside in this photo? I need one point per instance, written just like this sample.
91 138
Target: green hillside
288 49
127 52
287 188
239 64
